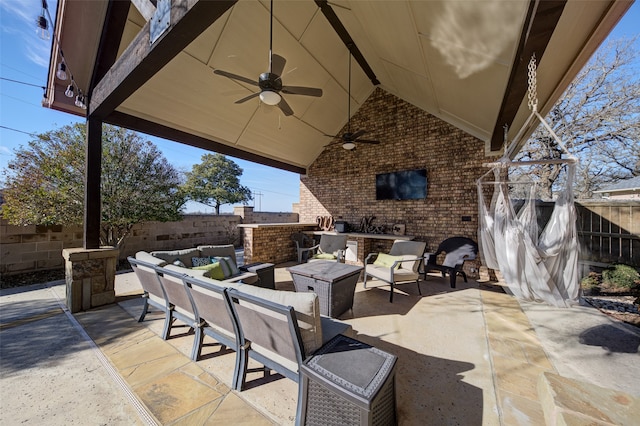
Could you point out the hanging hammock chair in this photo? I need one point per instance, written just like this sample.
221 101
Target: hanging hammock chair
536 266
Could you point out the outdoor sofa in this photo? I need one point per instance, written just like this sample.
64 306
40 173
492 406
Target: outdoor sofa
181 261
182 294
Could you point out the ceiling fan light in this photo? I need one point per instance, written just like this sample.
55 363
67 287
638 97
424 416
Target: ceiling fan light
270 97
348 146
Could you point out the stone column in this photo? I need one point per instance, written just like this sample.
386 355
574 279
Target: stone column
90 276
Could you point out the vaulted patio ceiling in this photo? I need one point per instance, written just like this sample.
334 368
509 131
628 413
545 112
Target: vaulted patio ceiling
462 61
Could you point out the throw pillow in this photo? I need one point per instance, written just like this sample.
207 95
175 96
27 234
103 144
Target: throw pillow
386 260
213 270
179 262
326 256
200 261
228 265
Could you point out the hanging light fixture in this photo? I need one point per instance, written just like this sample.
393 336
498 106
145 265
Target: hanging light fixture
43 26
349 145
270 98
80 100
70 91
62 71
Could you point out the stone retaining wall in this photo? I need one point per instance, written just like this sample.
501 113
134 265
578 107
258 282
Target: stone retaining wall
34 248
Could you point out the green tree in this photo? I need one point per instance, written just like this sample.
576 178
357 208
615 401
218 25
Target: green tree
216 181
44 183
598 119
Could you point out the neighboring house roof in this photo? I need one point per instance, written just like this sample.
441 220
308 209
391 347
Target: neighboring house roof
632 184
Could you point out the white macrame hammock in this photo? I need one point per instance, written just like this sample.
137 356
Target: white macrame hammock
540 267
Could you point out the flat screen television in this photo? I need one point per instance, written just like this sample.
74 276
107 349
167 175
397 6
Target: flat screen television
402 185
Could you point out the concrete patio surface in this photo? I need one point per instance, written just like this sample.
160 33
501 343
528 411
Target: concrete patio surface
466 356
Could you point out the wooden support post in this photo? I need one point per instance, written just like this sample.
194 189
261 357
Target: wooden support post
92 177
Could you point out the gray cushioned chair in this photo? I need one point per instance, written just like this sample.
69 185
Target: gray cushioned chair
153 292
403 269
214 318
331 247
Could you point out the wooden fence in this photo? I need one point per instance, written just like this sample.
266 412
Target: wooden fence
608 232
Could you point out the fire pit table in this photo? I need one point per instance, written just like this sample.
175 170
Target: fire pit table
333 282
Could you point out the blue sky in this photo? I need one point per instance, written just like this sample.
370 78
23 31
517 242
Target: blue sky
25 57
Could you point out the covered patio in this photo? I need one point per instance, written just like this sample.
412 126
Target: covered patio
436 83
468 356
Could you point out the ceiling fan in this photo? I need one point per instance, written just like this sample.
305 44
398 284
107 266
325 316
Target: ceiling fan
270 82
350 139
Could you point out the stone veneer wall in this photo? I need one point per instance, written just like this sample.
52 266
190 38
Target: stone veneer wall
341 183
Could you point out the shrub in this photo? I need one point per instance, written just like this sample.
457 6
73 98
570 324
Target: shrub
591 283
620 276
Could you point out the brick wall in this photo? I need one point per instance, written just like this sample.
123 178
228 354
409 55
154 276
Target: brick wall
272 244
341 183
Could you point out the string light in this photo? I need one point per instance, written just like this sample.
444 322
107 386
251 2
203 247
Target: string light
43 25
70 91
63 72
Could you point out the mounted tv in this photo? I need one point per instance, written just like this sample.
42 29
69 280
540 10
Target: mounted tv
402 185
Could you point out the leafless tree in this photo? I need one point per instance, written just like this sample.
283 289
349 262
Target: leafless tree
598 119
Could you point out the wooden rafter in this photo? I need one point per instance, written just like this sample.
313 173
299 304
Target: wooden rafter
542 19
142 60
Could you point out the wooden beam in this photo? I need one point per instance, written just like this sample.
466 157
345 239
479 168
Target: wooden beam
138 124
142 60
92 204
114 23
145 7
542 19
342 32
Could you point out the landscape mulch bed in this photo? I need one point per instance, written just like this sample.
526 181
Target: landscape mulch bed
37 277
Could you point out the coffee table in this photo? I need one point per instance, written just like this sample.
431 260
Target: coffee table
333 282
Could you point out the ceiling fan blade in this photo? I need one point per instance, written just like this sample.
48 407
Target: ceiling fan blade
357 134
236 77
298 90
366 141
284 106
246 98
331 136
277 64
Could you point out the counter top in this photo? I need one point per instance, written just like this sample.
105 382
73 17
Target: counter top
363 235
273 225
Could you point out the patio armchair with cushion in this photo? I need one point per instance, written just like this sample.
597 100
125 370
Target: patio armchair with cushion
303 246
458 250
214 318
153 292
331 247
400 265
280 329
